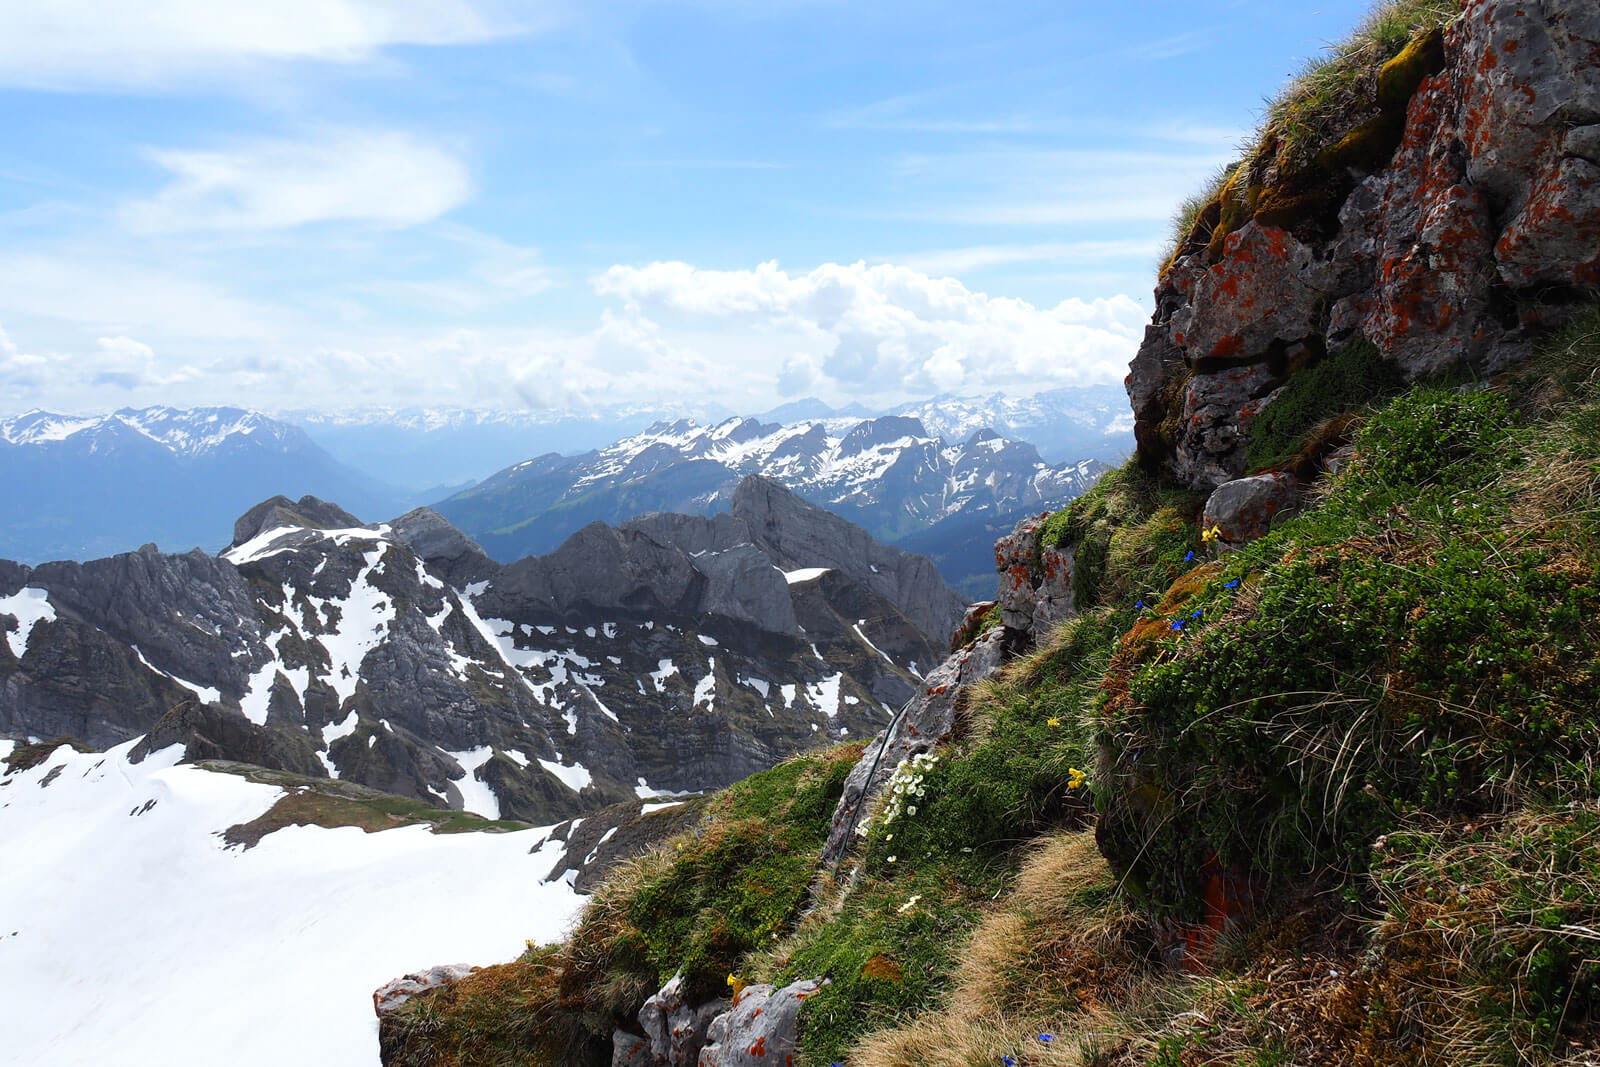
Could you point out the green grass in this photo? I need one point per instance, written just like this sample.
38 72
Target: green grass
334 803
1404 647
1132 537
1347 381
733 885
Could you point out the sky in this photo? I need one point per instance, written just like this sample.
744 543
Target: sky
336 204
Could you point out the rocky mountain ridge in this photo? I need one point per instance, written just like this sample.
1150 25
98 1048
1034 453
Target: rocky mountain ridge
675 653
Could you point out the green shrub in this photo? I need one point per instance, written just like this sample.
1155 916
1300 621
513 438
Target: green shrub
1348 380
1402 647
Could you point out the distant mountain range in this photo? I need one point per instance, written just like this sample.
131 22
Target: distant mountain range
419 447
888 474
80 487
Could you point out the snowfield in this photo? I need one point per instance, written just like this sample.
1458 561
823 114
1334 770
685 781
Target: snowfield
130 934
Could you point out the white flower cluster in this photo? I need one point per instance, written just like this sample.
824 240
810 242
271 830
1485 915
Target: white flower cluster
905 789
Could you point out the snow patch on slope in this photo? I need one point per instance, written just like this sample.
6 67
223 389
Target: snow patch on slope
184 963
31 607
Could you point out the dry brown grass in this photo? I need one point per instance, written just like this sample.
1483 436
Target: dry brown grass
1052 958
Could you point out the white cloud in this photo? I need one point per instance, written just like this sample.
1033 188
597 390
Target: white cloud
20 371
886 329
72 44
390 179
1035 188
981 257
104 290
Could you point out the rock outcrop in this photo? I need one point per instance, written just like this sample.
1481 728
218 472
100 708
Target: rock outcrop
760 1028
1479 230
1035 583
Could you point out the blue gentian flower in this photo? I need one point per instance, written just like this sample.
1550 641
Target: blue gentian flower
1230 585
1197 614
1189 557
1047 1038
1007 1060
1139 606
1177 624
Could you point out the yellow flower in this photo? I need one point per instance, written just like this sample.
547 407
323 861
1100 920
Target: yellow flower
1052 722
736 984
1075 778
1211 534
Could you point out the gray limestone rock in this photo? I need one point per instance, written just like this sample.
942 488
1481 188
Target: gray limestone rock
447 551
760 1028
281 511
675 1029
389 996
798 534
1035 593
1555 238
1244 509
1527 71
1269 289
1218 410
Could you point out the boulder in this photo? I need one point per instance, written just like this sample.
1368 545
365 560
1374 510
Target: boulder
1214 423
1526 72
760 1027
389 996
1555 238
1268 287
630 1050
675 1029
1245 508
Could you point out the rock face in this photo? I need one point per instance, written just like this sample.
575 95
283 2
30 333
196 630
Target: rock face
675 1030
927 720
1480 229
760 1028
389 996
1035 583
675 654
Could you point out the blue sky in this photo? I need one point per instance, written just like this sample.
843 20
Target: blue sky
338 203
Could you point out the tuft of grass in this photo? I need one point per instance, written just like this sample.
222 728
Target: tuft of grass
508 1015
703 901
1343 111
1059 949
27 756
1131 535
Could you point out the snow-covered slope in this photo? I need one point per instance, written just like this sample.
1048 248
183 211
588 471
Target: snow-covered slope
131 934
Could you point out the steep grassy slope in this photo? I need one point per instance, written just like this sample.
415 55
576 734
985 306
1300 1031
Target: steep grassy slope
1345 776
